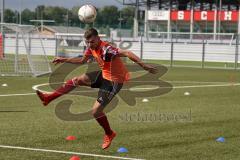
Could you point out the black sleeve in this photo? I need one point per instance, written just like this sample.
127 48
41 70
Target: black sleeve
109 52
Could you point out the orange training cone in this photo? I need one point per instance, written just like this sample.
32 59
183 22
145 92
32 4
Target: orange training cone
74 158
71 138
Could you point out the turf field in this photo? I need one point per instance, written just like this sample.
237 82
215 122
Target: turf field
170 126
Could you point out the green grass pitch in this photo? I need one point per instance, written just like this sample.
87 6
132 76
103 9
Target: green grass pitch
207 113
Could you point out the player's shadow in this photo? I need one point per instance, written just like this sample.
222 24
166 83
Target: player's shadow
130 91
63 112
127 94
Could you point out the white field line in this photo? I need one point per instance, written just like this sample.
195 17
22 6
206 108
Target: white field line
20 94
195 86
191 82
206 86
151 88
35 87
66 152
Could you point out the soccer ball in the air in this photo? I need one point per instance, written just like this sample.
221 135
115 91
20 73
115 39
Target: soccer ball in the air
87 13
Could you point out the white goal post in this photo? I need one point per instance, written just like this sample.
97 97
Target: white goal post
21 51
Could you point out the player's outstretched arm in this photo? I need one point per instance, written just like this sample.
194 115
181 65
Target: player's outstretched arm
75 60
136 59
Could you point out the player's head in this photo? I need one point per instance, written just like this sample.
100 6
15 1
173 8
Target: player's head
92 38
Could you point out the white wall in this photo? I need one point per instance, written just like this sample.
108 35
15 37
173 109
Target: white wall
153 50
49 46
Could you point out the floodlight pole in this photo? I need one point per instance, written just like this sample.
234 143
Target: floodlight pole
67 21
146 24
2 13
219 16
120 19
192 20
135 25
239 21
169 19
20 13
215 20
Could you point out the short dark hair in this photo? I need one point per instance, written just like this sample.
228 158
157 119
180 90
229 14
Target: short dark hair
90 32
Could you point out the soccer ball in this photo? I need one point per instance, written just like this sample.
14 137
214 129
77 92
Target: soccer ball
87 13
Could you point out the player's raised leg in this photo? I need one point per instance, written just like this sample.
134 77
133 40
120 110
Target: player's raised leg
101 118
69 85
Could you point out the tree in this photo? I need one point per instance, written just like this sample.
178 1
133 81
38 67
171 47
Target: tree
99 19
127 15
73 16
9 16
39 11
109 16
56 13
27 15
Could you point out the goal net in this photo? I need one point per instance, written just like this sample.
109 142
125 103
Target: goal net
21 51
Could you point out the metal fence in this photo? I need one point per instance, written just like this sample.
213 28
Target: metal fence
191 37
170 49
188 50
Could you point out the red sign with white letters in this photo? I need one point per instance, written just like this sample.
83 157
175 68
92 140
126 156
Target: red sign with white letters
204 15
228 15
181 15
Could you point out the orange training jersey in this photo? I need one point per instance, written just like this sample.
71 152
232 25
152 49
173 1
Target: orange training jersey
111 65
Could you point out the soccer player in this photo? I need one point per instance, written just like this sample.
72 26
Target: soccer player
109 79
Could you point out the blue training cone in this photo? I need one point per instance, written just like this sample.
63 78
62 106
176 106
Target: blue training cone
122 150
220 139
